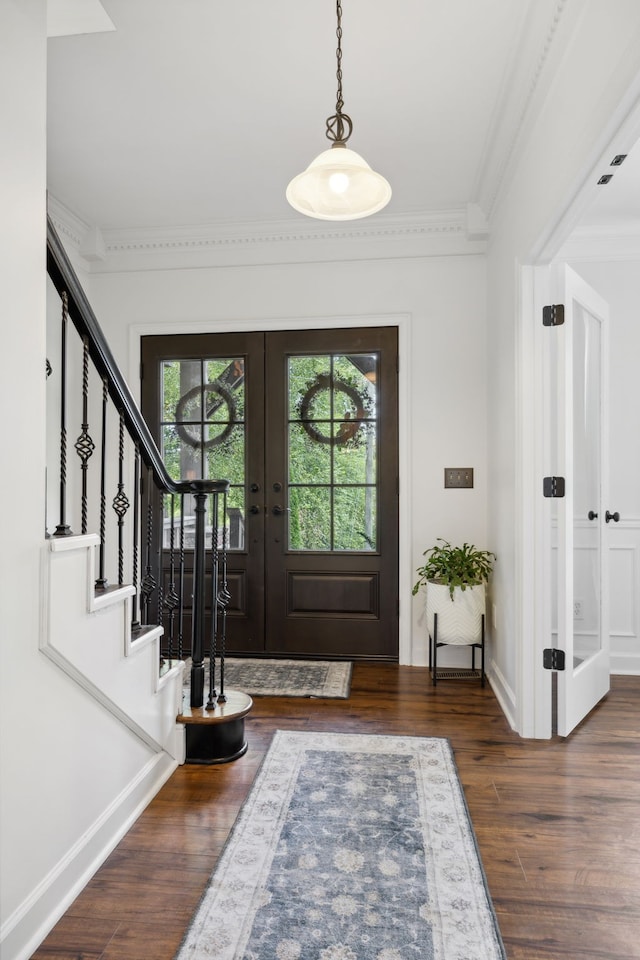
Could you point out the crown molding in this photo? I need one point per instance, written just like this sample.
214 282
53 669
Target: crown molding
543 28
452 232
602 243
73 232
72 229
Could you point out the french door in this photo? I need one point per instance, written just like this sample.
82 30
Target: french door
580 347
304 425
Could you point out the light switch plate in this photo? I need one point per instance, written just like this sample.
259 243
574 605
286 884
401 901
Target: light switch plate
458 477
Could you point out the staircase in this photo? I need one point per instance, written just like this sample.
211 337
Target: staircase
112 620
88 635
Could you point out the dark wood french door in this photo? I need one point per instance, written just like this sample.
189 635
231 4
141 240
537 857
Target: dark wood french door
304 424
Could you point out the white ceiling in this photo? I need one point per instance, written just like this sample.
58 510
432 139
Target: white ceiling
195 112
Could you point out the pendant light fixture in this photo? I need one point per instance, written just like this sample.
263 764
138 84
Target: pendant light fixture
338 184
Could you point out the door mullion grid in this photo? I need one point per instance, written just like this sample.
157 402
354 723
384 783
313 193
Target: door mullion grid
331 451
202 416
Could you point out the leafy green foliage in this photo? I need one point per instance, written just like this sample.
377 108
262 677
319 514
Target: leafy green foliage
462 567
331 481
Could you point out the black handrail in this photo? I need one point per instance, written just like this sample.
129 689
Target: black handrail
79 310
84 319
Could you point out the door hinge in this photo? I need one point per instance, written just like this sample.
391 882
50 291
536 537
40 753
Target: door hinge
553 659
553 315
553 486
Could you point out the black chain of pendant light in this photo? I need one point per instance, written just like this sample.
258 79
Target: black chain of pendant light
340 125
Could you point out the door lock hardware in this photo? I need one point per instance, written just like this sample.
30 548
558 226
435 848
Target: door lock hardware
592 516
254 509
612 516
279 510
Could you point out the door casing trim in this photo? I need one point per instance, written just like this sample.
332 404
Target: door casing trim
403 322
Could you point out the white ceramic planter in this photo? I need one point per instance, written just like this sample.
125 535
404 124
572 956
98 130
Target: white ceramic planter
460 620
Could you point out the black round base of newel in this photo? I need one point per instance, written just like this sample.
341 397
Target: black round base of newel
217 736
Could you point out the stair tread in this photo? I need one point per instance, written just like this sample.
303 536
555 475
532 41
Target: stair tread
166 666
238 705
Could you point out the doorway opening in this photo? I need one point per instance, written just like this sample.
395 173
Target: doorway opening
304 424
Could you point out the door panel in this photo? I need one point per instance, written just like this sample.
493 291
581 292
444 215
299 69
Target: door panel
304 424
332 516
202 397
325 595
583 620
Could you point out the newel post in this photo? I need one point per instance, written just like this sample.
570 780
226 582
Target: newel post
197 636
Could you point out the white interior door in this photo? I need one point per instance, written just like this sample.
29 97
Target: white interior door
582 445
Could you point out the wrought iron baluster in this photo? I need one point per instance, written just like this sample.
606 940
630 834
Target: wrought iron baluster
172 599
211 703
224 597
160 572
63 529
148 584
121 502
101 582
84 445
137 492
181 612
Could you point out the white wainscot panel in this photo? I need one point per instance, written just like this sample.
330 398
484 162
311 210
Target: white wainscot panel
624 591
624 594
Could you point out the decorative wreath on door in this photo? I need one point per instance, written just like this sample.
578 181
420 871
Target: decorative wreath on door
218 394
349 431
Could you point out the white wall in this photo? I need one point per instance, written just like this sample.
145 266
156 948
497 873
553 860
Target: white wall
67 767
618 282
556 152
439 304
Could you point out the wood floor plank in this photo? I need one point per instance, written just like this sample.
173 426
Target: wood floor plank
557 822
74 937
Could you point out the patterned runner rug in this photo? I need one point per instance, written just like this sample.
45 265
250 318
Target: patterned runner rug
349 847
284 678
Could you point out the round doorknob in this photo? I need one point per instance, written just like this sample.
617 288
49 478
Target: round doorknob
254 508
612 516
592 516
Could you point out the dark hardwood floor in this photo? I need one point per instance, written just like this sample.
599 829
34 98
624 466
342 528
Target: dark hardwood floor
557 822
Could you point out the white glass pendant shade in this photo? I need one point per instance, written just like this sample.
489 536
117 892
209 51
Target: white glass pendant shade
338 185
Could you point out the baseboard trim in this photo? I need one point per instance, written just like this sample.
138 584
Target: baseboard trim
625 664
27 927
504 694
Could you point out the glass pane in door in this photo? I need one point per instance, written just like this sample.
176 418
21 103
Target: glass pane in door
586 484
203 434
332 485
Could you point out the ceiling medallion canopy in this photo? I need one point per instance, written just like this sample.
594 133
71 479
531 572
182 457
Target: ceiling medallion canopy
339 184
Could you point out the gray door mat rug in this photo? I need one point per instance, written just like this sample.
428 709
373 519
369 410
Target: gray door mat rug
329 679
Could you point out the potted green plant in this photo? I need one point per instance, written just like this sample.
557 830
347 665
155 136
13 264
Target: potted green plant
455 579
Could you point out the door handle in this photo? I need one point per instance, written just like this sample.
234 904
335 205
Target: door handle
592 516
612 516
278 510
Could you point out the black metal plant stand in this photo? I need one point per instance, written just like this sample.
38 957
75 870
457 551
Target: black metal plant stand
434 643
